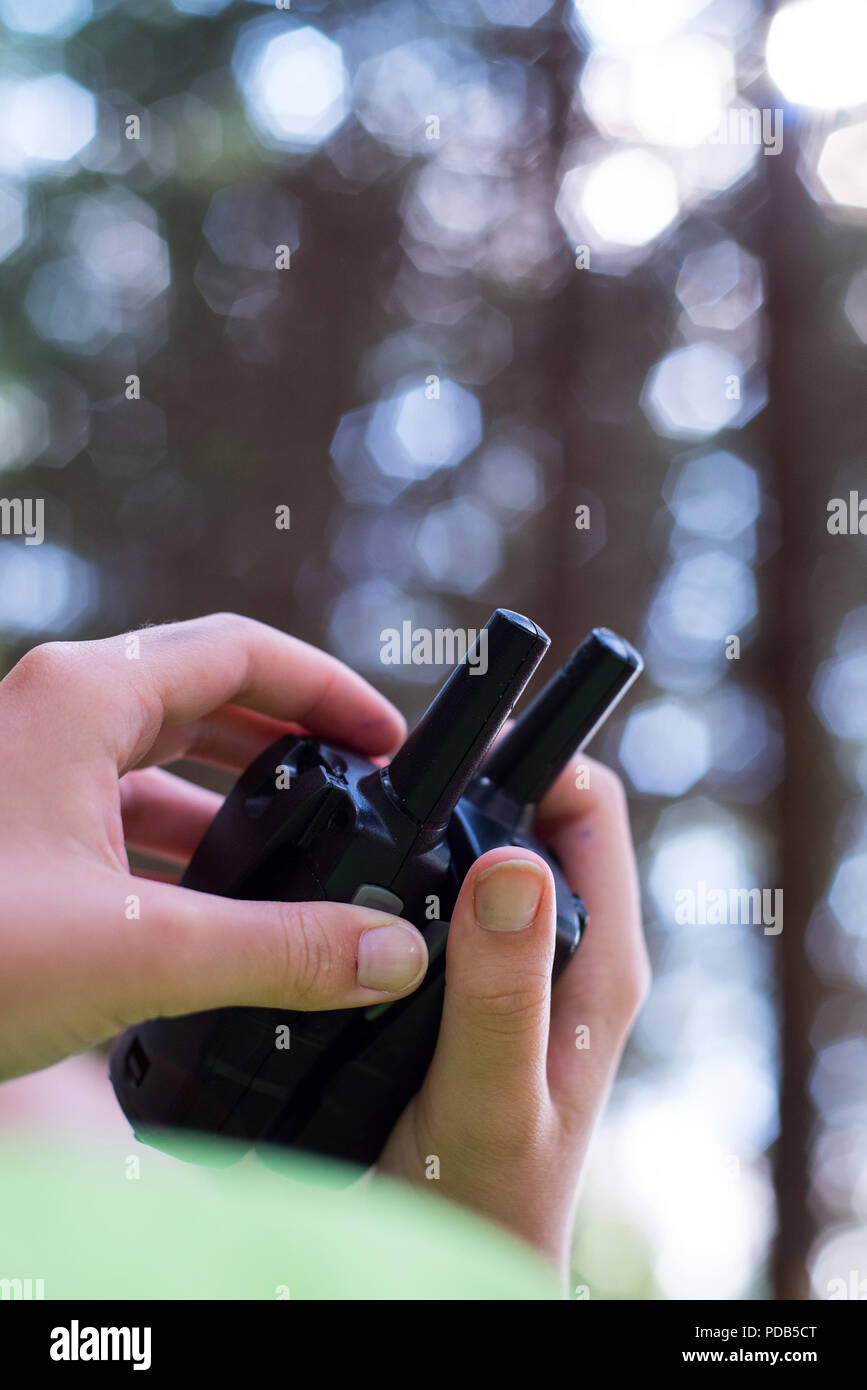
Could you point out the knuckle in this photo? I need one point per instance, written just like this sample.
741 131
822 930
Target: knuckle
226 619
307 958
65 670
45 663
508 1008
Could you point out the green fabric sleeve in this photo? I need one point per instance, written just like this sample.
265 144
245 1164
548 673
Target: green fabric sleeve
86 1226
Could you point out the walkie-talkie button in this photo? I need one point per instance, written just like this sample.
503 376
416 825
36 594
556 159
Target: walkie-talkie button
371 895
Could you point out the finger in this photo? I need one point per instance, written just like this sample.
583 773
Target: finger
605 983
195 667
494 1030
184 951
183 671
165 815
230 737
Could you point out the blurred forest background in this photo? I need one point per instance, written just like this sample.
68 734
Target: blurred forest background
537 256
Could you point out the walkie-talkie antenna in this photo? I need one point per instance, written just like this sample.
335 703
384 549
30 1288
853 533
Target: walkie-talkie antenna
563 717
448 744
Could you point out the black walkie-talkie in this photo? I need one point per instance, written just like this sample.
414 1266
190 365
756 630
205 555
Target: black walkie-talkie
400 839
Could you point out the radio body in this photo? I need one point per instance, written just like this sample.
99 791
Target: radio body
310 821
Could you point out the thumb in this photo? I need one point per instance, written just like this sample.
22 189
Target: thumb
496 1011
192 951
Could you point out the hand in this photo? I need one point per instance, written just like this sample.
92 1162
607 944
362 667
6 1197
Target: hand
81 727
521 1071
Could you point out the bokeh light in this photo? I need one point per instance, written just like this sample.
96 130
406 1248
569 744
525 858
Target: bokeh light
44 589
44 121
628 198
714 495
665 749
694 391
534 266
842 165
815 52
721 286
423 428
59 18
673 94
295 86
23 425
624 24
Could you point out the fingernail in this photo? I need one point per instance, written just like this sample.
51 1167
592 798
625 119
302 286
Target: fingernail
507 895
390 958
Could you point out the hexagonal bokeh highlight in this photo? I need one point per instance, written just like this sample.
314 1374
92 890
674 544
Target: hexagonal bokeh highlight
116 237
746 740
842 166
839 694
721 286
294 84
115 281
706 596
62 307
24 432
849 894
839 690
364 610
246 222
665 749
698 840
424 427
59 18
672 94
715 495
698 390
45 589
508 479
815 53
356 473
621 24
459 545
627 198
43 121
378 541
395 92
456 211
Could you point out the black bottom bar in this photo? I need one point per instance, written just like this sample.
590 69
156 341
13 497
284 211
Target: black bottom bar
221 1338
